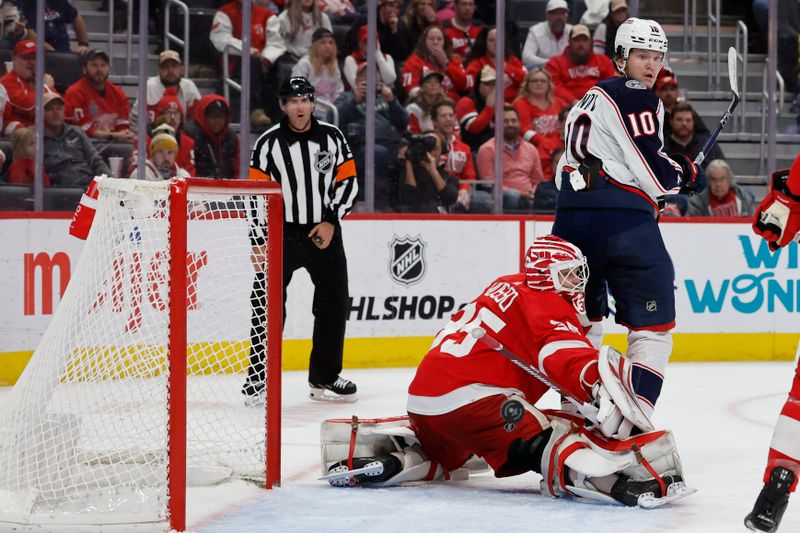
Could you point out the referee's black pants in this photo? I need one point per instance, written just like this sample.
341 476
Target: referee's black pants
328 271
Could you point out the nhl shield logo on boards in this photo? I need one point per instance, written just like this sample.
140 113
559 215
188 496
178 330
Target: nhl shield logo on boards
323 161
407 260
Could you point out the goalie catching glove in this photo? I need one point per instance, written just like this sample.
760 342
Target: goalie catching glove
618 410
777 218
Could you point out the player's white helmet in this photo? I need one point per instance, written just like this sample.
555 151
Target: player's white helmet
640 33
553 264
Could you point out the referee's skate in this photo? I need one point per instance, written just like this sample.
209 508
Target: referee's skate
341 390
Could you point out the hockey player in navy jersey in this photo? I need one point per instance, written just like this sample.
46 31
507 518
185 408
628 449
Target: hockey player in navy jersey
611 177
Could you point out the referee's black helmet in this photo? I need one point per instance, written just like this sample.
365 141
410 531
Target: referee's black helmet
296 86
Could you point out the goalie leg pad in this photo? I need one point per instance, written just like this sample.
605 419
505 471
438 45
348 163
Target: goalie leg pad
354 444
578 461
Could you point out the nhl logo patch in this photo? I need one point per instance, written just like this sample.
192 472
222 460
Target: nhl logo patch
651 306
635 84
407 260
323 161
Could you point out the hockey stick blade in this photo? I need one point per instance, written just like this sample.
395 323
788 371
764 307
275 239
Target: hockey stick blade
733 57
676 491
341 476
588 411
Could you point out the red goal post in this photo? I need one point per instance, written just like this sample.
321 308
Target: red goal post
177 342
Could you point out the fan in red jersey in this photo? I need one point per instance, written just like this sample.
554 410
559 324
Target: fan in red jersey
475 397
777 220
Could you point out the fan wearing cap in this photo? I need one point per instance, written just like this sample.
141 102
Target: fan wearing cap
321 67
547 38
482 54
578 68
70 158
20 110
667 91
170 74
384 63
419 107
463 28
226 30
216 148
606 32
612 175
434 53
475 112
161 165
59 13
96 105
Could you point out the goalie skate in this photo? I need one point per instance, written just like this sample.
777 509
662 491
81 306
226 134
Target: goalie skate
374 469
675 491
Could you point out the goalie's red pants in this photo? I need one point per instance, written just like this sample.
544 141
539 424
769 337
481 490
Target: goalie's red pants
785 447
476 428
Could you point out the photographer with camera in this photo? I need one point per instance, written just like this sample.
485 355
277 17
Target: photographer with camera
390 119
425 185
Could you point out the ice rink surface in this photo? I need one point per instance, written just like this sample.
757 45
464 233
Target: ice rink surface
721 414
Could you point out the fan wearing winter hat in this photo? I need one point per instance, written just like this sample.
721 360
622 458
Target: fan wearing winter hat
161 165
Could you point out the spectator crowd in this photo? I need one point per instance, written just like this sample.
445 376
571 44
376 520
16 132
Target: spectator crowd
436 81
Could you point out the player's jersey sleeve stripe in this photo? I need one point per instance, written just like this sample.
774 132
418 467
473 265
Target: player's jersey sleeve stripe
552 347
647 165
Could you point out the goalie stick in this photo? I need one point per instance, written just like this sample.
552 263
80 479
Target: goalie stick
587 410
712 140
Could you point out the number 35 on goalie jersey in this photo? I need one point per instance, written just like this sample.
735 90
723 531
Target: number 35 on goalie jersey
619 121
540 327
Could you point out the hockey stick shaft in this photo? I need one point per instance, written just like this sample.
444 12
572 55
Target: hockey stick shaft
588 411
701 156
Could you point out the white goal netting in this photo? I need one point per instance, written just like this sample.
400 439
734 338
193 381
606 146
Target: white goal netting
85 435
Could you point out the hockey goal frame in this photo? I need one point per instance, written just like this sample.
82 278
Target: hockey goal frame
178 193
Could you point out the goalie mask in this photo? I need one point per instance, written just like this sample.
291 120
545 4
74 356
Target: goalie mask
553 264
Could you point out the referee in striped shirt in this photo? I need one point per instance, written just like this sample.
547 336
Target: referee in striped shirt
314 165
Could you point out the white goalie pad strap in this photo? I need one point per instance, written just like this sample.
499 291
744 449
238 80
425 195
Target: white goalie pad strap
373 437
615 374
592 455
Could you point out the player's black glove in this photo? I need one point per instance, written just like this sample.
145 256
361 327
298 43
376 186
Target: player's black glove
694 177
